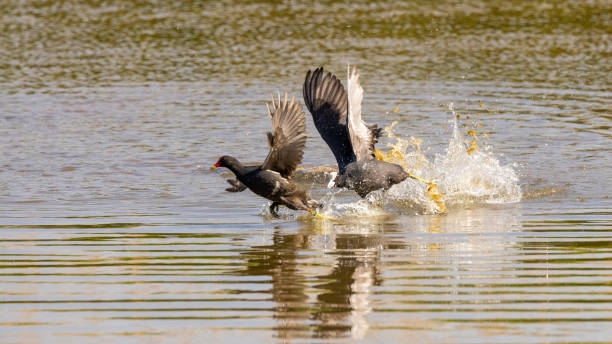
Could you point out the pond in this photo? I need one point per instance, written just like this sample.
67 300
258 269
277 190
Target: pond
113 227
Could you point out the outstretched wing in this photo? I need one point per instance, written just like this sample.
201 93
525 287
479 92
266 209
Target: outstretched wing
288 137
326 100
363 136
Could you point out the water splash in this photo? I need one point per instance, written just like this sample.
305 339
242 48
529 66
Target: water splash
467 173
471 174
336 207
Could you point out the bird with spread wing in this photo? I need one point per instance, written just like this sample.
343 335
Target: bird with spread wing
337 116
272 179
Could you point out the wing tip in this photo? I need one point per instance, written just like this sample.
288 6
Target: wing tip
322 87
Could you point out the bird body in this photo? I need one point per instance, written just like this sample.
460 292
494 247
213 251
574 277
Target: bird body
268 184
337 117
367 175
271 179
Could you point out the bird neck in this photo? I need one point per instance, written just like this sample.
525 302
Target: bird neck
235 166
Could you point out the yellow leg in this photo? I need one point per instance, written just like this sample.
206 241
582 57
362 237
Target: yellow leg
317 214
432 192
419 178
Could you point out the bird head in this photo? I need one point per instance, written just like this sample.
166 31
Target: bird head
219 162
226 161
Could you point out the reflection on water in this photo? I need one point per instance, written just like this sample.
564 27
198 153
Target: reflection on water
324 301
478 274
113 229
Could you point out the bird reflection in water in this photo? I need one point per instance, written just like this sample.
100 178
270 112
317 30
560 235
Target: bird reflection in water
346 289
320 283
324 278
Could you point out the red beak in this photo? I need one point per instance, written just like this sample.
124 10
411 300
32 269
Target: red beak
216 165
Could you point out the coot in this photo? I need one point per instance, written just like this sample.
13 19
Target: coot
337 117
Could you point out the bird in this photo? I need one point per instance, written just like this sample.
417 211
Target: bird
336 114
272 178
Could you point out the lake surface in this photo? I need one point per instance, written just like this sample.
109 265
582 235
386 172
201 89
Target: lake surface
113 229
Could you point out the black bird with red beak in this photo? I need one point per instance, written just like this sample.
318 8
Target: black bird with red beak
272 179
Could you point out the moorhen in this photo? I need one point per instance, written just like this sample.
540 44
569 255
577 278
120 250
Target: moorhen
272 178
337 117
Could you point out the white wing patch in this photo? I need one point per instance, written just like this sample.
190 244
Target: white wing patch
276 187
360 134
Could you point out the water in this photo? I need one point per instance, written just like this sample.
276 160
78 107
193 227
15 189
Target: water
113 228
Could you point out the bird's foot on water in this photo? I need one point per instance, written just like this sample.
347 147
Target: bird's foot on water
273 209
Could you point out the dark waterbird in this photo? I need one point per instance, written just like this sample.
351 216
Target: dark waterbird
337 117
272 179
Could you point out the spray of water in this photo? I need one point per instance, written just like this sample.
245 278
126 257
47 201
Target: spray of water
467 173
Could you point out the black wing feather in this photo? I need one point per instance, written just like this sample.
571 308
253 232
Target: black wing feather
327 101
